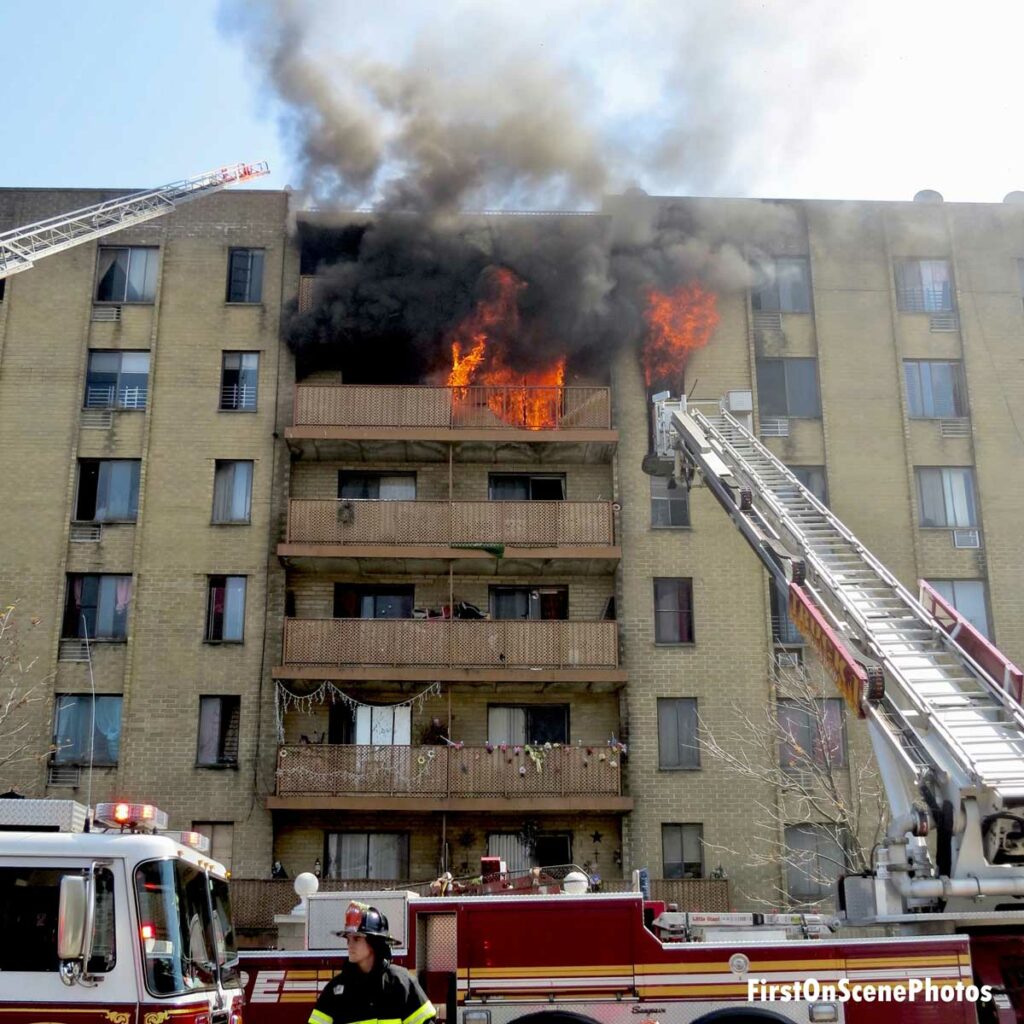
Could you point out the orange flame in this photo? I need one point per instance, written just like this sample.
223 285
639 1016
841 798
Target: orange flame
532 400
678 322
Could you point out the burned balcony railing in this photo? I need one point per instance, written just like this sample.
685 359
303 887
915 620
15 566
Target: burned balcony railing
499 407
503 770
460 523
492 643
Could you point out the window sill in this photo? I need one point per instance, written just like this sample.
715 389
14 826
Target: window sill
253 409
245 305
124 302
688 527
224 643
945 529
104 522
675 643
100 639
233 766
85 763
231 522
681 768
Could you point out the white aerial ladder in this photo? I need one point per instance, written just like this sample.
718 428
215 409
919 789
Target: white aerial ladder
21 247
942 704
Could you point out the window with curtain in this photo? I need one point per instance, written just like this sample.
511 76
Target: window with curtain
225 610
815 858
811 733
126 273
678 743
682 850
96 606
245 275
117 380
673 611
529 602
239 380
108 491
670 507
219 719
784 286
369 855
232 491
924 286
528 723
935 389
377 486
788 387
946 496
77 716
968 598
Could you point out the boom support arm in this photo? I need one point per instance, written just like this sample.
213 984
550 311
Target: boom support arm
20 248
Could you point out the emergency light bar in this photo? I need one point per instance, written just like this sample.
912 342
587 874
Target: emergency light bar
136 817
196 840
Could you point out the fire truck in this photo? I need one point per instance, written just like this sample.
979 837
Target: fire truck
942 904
112 920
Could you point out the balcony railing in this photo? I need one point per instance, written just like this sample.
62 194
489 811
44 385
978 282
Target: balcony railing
500 771
109 396
499 407
462 523
238 396
497 643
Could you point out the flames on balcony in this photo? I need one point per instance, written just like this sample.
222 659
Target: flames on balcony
531 400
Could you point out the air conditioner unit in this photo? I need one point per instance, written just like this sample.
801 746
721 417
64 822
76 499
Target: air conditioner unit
788 659
739 401
967 538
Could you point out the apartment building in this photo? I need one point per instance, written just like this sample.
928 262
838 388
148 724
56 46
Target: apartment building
378 630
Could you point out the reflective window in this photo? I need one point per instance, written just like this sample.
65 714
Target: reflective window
86 730
682 851
127 274
946 496
788 387
245 275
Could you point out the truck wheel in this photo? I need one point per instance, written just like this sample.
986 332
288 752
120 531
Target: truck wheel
743 1015
554 1017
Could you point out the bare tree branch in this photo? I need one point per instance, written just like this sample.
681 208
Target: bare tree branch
18 691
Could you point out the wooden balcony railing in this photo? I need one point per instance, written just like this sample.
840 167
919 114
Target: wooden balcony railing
499 643
500 407
462 523
442 771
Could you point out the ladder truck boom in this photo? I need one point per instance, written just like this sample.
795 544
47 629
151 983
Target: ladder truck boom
21 247
942 704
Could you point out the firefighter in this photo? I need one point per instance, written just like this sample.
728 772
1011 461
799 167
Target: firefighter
370 988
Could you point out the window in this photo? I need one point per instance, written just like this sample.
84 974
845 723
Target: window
218 732
378 486
84 728
783 630
673 611
682 851
815 858
547 848
245 275
670 507
370 725
946 496
222 839
528 723
126 274
225 609
811 734
968 598
924 286
678 745
117 380
813 478
529 602
526 487
108 491
96 606
239 374
368 601
29 906
232 491
785 287
788 387
370 855
935 390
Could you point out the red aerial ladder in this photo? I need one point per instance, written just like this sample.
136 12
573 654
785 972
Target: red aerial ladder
21 247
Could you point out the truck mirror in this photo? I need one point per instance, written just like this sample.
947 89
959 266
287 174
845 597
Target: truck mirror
71 918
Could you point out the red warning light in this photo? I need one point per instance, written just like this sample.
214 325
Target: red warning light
122 812
147 931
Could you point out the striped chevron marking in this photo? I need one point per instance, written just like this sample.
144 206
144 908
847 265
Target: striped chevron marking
700 980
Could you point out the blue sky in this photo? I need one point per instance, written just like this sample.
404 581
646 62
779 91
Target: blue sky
795 98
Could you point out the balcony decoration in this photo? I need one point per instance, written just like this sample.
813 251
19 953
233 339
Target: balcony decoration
327 692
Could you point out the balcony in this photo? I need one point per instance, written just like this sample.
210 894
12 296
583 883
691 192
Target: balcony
507 537
453 650
484 423
438 778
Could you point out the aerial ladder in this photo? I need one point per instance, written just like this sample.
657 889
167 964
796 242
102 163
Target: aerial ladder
21 247
942 705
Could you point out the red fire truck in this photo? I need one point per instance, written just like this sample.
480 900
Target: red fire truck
115 925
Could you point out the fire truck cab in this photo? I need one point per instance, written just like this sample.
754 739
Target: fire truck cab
117 924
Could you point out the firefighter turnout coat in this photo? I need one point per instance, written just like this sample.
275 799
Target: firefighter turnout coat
388 995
